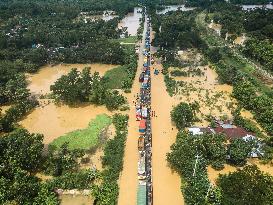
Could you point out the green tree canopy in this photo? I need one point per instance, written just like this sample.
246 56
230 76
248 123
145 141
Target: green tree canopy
248 186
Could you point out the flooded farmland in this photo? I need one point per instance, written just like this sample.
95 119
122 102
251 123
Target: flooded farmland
53 121
131 21
214 98
39 83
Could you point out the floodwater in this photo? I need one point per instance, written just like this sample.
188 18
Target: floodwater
128 181
174 8
95 159
39 83
216 27
53 121
166 183
267 168
240 40
214 174
76 200
4 108
131 21
214 98
106 16
251 7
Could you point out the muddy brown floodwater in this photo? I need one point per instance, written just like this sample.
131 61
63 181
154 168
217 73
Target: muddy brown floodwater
76 200
53 121
213 98
39 83
214 174
166 183
128 181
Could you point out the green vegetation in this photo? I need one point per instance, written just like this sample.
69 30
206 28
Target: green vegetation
115 77
125 74
238 151
76 87
190 156
85 138
170 85
130 39
107 192
248 186
183 115
182 159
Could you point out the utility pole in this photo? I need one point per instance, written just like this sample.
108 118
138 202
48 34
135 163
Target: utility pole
195 165
208 191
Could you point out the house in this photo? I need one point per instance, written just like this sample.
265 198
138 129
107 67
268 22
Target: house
231 132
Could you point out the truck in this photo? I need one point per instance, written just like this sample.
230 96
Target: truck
141 170
144 113
142 127
141 143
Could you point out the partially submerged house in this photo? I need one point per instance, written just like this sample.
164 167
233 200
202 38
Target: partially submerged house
231 132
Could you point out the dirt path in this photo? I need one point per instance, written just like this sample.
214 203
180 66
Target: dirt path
128 181
166 185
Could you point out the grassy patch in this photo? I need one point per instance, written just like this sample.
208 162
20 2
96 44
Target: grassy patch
85 138
130 39
115 77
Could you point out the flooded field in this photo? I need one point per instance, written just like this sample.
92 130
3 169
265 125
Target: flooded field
76 200
174 8
267 168
214 99
131 21
53 121
95 159
216 27
39 83
214 174
240 40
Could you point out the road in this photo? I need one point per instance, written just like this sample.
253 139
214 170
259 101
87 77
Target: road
129 179
166 184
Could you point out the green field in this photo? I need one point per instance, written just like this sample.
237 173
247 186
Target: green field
115 77
85 138
130 39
